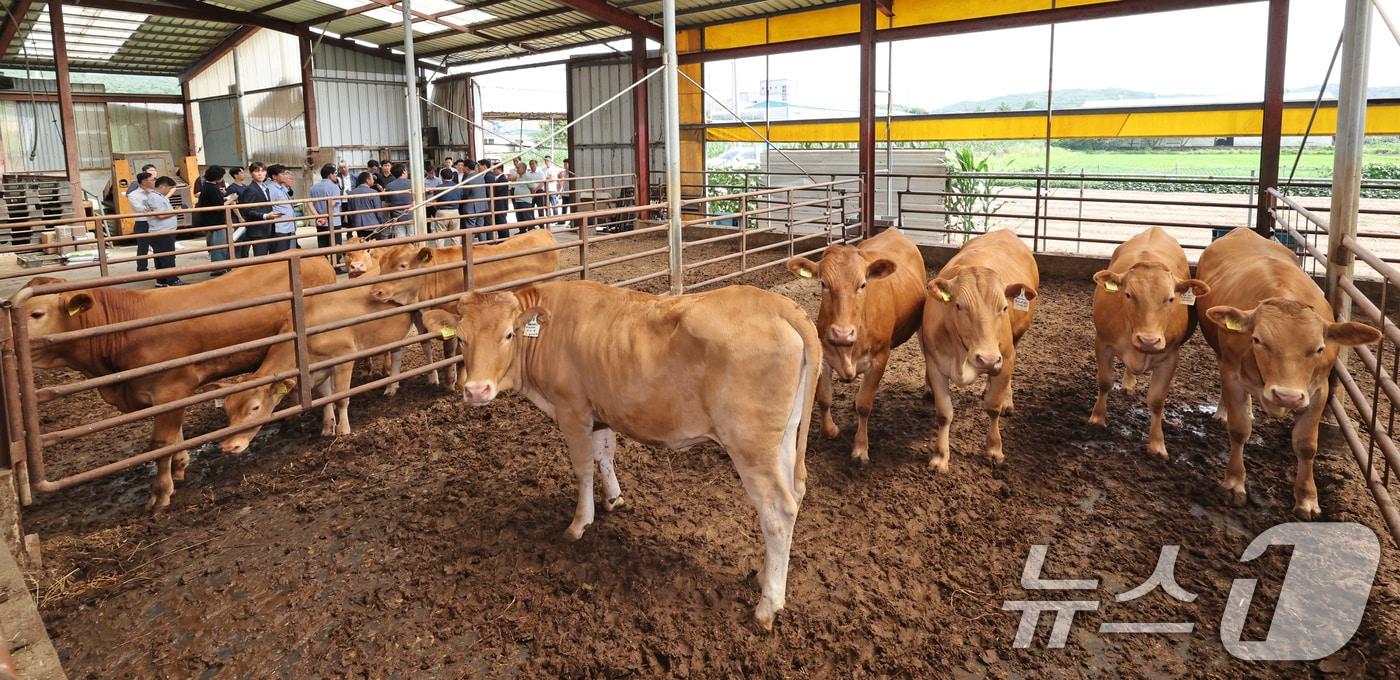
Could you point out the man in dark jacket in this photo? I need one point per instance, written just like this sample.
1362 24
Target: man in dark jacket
258 227
500 198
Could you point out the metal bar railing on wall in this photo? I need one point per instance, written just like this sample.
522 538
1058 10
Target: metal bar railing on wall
25 393
1358 409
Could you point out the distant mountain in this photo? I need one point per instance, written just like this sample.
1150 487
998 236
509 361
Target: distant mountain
1310 92
1067 98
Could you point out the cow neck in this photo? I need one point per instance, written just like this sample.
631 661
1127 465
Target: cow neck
527 349
98 355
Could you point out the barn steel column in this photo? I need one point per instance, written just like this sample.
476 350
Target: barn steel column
673 148
308 97
641 120
866 151
9 23
65 103
188 106
1346 157
1273 112
415 122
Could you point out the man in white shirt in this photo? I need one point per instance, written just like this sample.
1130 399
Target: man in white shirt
520 193
137 195
534 179
163 222
551 185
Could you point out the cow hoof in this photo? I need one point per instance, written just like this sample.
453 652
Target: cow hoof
1158 451
938 465
1307 510
157 502
178 465
433 378
341 431
391 390
328 431
831 431
1235 496
765 612
861 457
995 457
1098 420
574 532
613 504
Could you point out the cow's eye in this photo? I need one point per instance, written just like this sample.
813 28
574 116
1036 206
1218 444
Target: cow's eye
957 306
1321 349
1171 300
38 314
1129 295
510 335
862 285
255 408
1003 309
1257 341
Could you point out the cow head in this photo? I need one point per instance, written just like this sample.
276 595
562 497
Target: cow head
843 272
360 262
247 406
490 328
400 259
54 313
1293 347
977 307
1150 293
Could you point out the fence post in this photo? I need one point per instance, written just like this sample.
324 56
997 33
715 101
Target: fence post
100 233
303 352
228 231
1346 164
14 421
1035 225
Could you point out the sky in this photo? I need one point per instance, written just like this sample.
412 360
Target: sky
1213 54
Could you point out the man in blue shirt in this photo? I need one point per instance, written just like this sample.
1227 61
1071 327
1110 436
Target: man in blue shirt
279 192
327 212
162 221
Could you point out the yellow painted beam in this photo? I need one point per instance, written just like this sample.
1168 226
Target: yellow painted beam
845 19
1381 119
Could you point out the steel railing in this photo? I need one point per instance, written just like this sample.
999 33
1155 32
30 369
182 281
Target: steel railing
756 246
1365 409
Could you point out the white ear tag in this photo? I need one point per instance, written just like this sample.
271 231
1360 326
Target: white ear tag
1188 298
1021 302
532 327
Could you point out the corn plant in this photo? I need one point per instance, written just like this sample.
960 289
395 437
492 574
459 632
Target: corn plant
971 191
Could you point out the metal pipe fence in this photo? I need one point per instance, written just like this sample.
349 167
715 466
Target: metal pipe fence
1364 408
603 235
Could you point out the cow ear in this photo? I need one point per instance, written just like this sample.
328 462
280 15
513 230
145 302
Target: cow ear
1110 281
77 303
536 315
441 322
879 269
1016 290
802 267
425 254
1352 334
1196 286
284 387
941 289
211 387
1231 319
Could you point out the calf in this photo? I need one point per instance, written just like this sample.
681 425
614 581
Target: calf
737 366
1143 313
978 307
408 290
1276 340
872 301
259 402
124 350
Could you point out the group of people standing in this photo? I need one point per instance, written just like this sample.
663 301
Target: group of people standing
374 204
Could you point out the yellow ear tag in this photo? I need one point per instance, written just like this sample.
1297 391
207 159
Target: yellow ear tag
1110 286
1233 325
448 332
280 389
944 295
74 310
804 273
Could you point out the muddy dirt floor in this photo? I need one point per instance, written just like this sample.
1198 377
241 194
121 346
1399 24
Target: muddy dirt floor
428 543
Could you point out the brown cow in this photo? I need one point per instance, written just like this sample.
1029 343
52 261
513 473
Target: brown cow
737 366
872 301
1276 340
1143 313
259 402
411 289
123 350
978 307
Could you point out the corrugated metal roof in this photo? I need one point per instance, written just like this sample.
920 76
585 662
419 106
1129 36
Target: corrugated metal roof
457 31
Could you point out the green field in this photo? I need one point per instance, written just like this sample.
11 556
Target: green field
1316 162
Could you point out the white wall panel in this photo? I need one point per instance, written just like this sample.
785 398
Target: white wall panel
602 143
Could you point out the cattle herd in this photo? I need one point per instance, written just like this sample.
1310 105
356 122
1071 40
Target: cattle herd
739 366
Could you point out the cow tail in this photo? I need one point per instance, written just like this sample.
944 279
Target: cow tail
810 368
